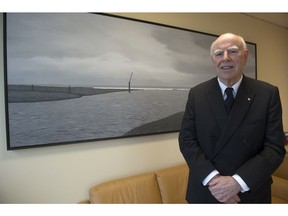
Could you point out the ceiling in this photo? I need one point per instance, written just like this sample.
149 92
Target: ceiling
280 19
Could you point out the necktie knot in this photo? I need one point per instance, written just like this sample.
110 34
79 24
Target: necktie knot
229 91
229 99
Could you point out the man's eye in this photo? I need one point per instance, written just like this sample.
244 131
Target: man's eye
233 51
218 54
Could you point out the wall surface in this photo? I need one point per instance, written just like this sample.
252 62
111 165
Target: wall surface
64 174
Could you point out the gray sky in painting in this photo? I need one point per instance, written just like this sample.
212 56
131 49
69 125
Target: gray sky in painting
89 49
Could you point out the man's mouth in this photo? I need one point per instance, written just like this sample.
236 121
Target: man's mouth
226 67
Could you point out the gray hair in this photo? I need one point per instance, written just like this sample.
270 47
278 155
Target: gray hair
242 41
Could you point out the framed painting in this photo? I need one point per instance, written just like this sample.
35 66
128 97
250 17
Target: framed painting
79 77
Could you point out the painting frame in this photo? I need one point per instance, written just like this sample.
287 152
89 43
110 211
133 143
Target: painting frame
30 117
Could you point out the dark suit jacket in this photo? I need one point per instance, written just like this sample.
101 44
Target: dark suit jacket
249 142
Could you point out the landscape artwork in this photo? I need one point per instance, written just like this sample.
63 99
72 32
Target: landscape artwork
80 77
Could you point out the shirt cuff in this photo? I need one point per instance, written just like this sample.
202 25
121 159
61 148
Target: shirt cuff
209 177
243 185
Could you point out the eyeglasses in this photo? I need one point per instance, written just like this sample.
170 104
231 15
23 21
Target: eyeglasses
231 51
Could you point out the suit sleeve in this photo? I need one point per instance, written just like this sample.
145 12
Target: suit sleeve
262 165
189 146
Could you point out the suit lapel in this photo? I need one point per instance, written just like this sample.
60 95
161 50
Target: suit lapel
242 103
216 102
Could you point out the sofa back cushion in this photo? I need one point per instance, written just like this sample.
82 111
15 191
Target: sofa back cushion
135 189
173 183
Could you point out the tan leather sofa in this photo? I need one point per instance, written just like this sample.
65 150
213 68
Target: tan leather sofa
168 186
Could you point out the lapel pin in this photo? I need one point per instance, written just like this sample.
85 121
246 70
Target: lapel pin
249 99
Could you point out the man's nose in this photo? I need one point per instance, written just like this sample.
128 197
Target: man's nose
226 55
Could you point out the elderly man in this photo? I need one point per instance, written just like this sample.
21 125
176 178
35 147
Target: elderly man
232 134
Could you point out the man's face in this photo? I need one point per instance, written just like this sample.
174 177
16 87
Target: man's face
229 58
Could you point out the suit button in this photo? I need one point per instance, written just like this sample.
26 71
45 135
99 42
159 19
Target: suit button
244 141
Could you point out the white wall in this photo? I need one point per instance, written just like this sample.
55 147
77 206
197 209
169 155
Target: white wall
64 174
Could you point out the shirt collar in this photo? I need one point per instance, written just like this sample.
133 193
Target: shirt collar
235 86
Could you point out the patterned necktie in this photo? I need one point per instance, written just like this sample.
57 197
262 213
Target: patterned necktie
230 99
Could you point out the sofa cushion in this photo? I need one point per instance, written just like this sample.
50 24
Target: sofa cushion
173 183
135 189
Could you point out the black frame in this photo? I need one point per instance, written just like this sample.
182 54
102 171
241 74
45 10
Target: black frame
17 94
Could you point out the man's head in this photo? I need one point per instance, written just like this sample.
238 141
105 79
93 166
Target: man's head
229 55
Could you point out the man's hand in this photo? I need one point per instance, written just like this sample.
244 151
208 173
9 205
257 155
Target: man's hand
225 189
234 200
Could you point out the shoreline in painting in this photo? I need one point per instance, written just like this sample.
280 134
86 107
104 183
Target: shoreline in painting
37 93
168 124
